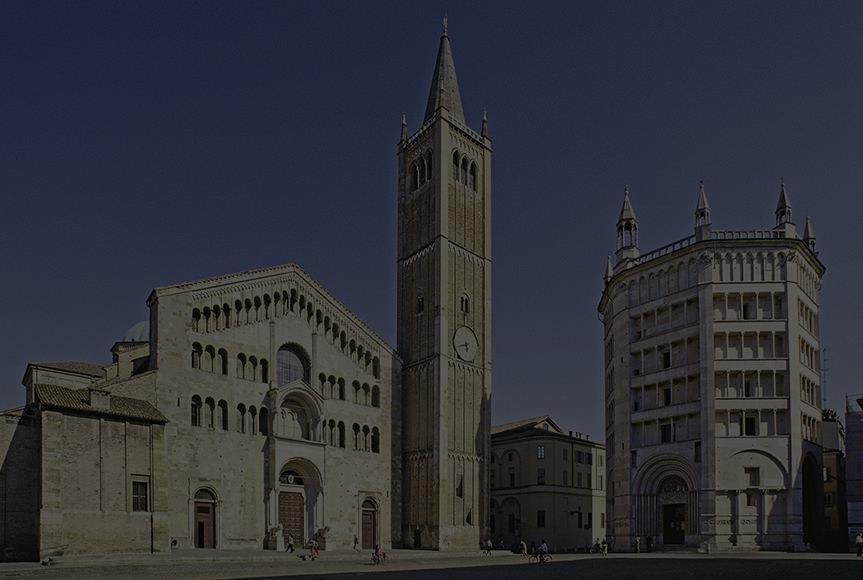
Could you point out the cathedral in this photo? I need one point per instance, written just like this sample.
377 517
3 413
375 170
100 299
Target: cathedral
255 406
713 386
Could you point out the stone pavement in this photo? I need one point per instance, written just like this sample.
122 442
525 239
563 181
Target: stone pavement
426 565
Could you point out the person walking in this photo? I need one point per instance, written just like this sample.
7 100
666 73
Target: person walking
488 547
522 548
356 544
859 542
637 544
290 542
604 547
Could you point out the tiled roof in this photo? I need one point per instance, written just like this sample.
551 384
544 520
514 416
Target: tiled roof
522 424
56 397
74 366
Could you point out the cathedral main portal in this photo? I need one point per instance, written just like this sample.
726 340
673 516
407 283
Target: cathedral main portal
291 508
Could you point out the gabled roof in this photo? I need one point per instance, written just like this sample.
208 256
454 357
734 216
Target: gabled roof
531 423
76 367
61 398
260 273
444 87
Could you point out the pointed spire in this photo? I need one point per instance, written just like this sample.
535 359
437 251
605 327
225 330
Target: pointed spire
404 132
627 226
808 230
702 209
609 270
702 198
444 91
626 212
484 130
783 206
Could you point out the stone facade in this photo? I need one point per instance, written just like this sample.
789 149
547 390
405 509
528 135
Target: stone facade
712 386
545 485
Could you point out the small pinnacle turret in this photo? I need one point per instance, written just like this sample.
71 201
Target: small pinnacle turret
609 270
783 206
484 131
627 228
809 234
702 214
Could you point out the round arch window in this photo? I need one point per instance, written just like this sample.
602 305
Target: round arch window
291 366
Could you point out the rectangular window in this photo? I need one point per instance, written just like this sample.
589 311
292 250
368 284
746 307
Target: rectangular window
665 433
633 458
602 520
666 360
512 479
579 520
565 477
588 456
579 480
751 500
589 520
540 476
666 397
140 497
565 454
600 482
579 457
753 476
697 452
540 451
540 518
751 426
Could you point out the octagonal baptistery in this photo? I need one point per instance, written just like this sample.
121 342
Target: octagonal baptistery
280 406
713 387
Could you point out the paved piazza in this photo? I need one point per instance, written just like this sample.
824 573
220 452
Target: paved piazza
408 564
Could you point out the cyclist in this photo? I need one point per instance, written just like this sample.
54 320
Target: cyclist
543 551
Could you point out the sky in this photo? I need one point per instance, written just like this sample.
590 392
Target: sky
144 144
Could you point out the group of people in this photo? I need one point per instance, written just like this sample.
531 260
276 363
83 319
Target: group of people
313 546
599 547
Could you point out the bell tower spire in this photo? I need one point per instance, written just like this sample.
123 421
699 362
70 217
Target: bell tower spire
444 93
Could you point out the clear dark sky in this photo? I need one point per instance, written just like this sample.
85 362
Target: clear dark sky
147 144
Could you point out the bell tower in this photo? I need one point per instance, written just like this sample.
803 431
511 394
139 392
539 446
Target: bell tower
444 319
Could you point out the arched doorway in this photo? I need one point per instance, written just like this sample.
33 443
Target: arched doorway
369 524
300 495
205 519
673 493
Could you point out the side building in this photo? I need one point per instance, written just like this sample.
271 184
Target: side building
545 484
712 386
854 464
835 536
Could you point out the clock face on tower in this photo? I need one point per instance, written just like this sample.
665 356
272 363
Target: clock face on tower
464 341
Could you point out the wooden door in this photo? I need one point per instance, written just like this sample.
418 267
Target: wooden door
205 525
291 516
369 530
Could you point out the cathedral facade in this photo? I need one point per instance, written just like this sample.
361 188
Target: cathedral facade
713 386
254 407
